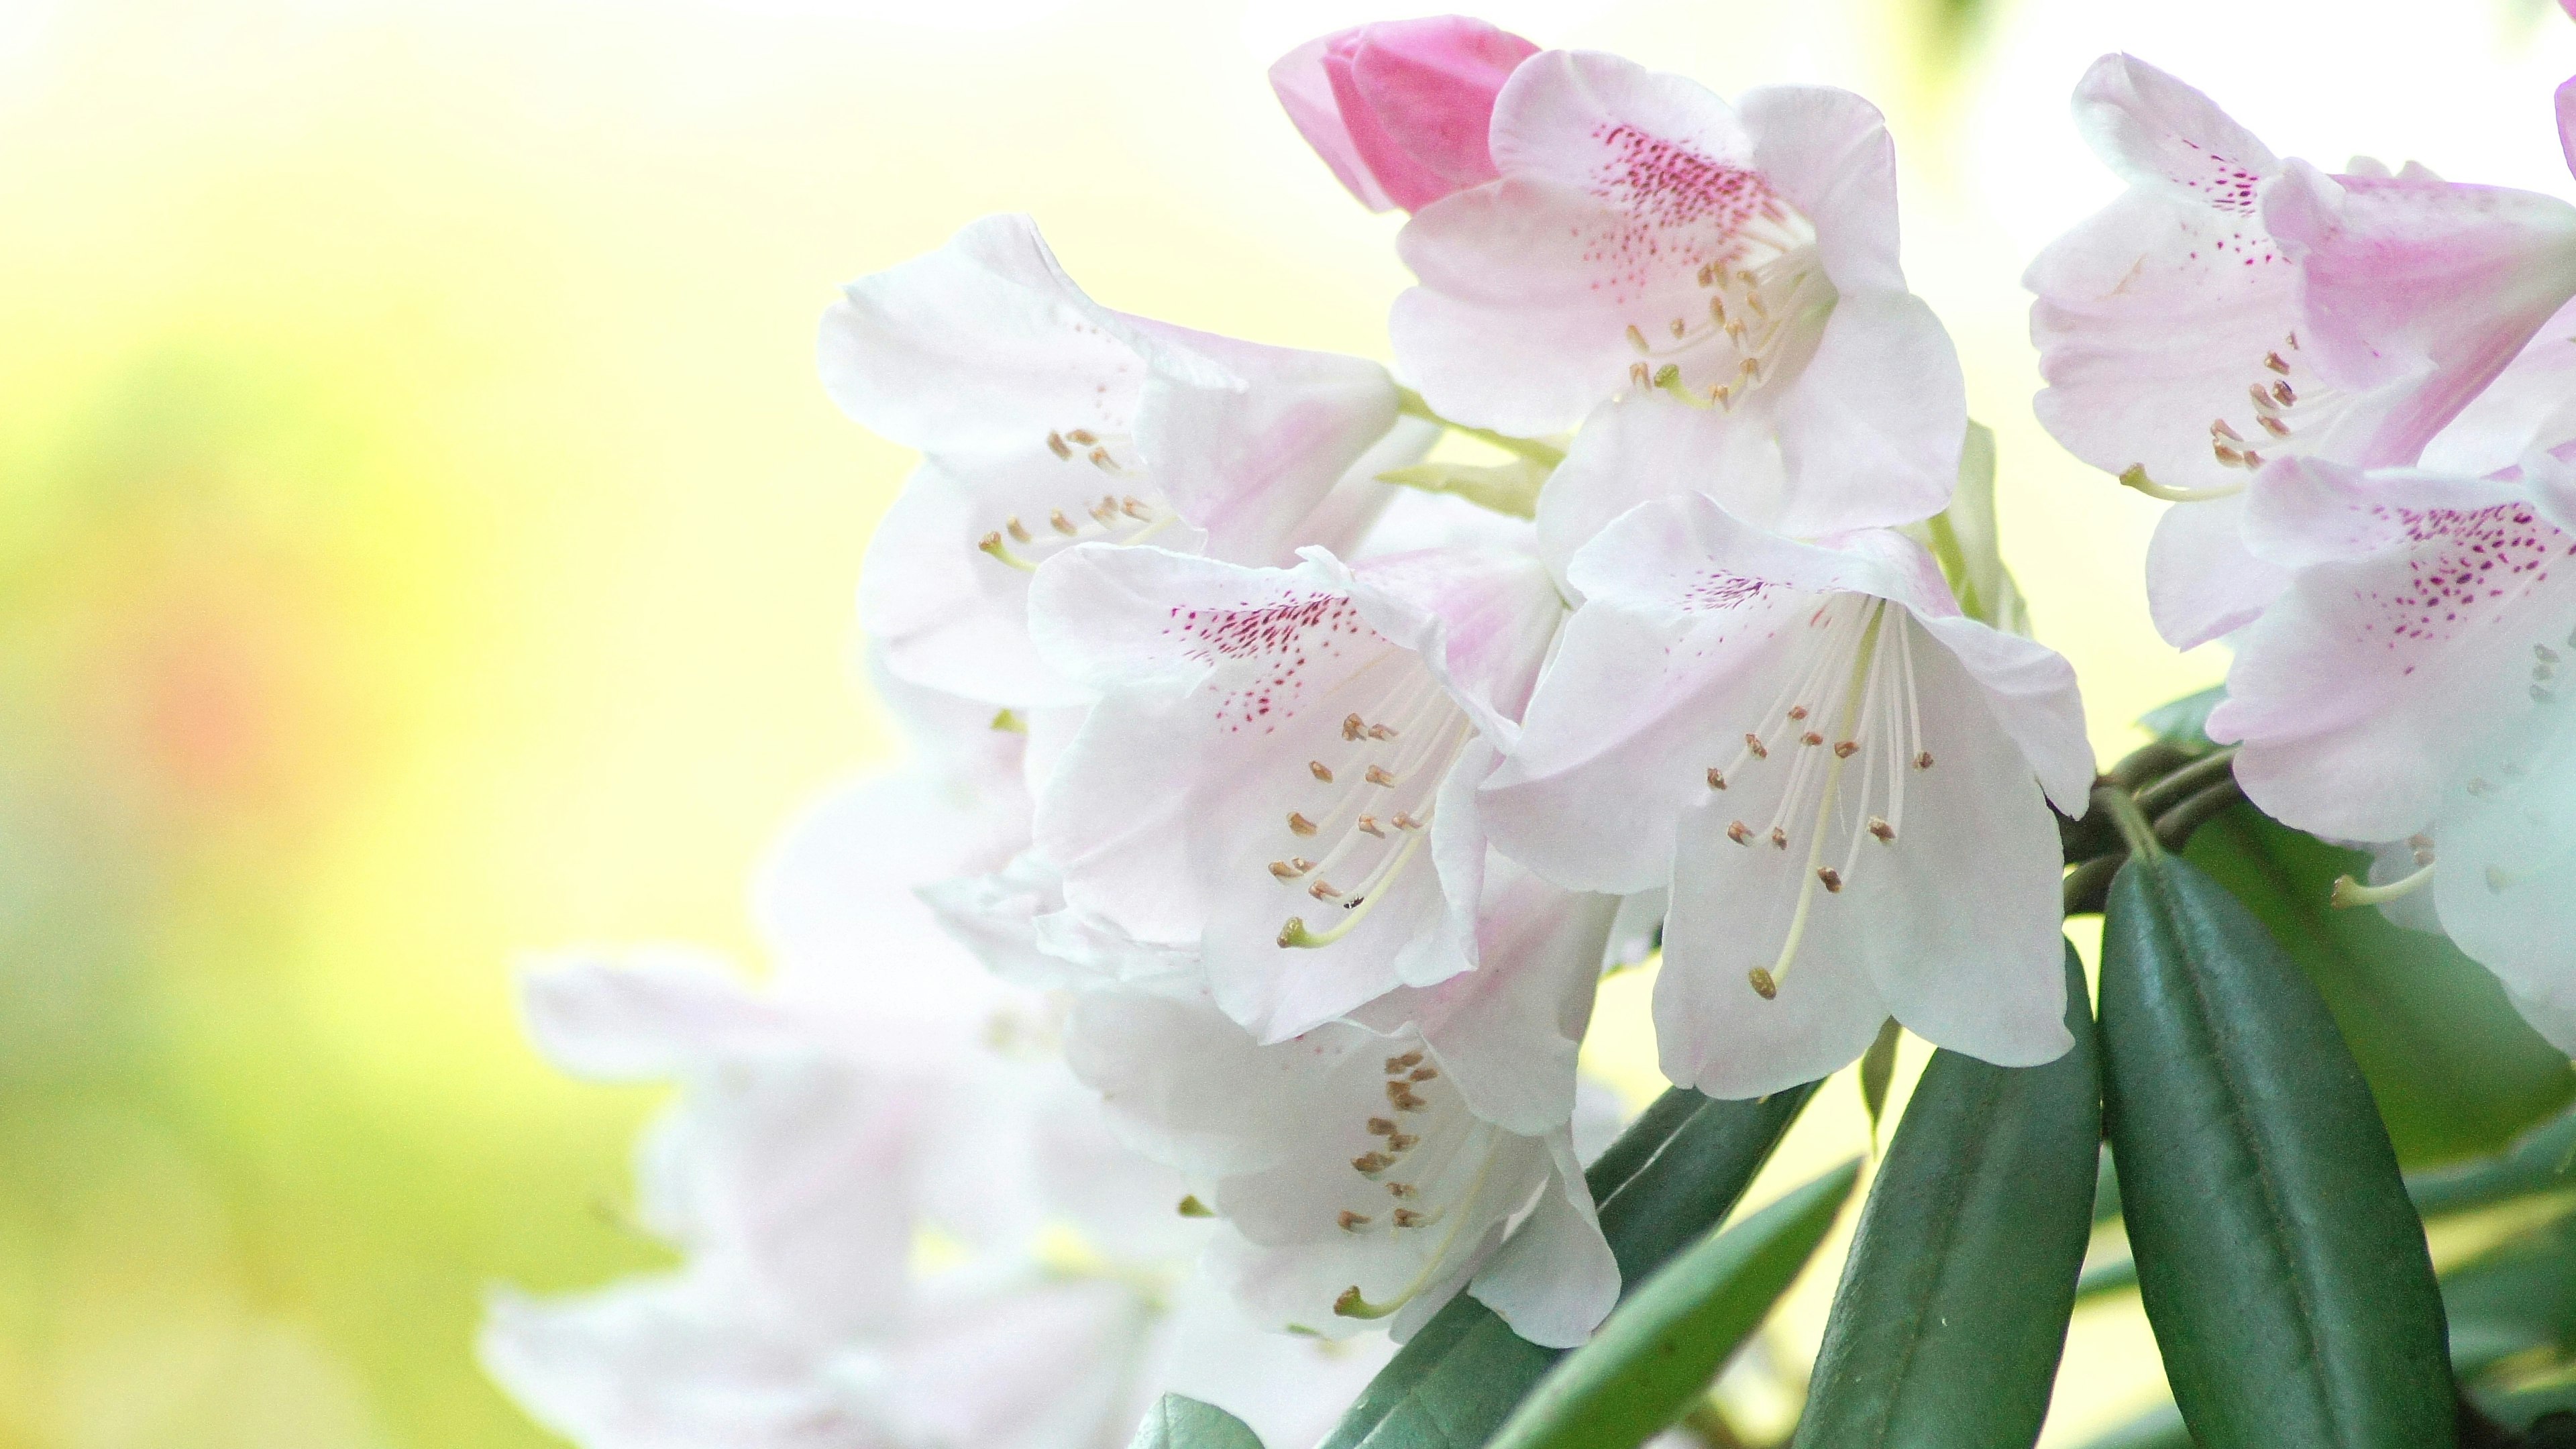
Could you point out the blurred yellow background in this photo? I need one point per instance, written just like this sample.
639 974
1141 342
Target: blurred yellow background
422 540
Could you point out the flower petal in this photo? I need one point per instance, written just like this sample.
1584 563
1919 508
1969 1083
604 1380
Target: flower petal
2166 137
1827 152
1871 428
2202 582
1554 1279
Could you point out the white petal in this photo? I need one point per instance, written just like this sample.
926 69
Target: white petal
1872 425
2029 691
1650 445
2202 582
649 1015
1554 1279
2165 136
1827 152
2505 880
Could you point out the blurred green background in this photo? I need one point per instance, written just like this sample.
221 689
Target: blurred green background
422 541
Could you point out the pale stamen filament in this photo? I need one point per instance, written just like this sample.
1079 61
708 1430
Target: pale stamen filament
1351 1305
1766 981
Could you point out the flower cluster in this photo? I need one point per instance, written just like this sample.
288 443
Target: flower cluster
2359 392
1302 739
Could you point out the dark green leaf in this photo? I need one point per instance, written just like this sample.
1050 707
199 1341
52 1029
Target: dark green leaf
1176 1422
2185 721
2157 1428
1658 1351
1952 1313
2282 1268
2514 1298
2453 1067
1675 1172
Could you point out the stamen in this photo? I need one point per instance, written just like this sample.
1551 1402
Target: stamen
992 544
1083 437
1845 749
1288 869
1407 1218
1636 339
1352 1222
1055 445
1716 778
1753 742
1370 1164
1740 833
1322 890
1019 531
1377 775
1923 759
2273 360
2135 476
1779 838
1879 827
1320 770
1405 1062
2348 892
1368 826
1299 824
1353 727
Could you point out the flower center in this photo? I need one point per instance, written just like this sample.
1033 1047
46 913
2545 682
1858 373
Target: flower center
1432 1161
1850 703
1754 301
1125 517
2285 398
1367 797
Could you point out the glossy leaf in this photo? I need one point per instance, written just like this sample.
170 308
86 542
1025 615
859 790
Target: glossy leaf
1676 1172
1176 1422
1658 1351
1947 1329
2452 1065
2281 1265
2516 1297
2185 722
1878 1072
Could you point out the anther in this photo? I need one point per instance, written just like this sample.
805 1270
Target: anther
2273 425
1135 508
1402 1142
1763 985
1753 742
1407 1217
2263 404
1320 770
2544 653
1299 824
2253 459
1404 1063
1679 329
1707 275
2227 456
1797 711
1104 512
1100 459
1352 1222
1377 775
1716 778
1055 445
1740 833
1638 373
2285 395
1287 869
1923 759
1879 827
1636 339
1845 749
1422 1074
1353 727
1369 1164
1061 523
1811 739
2218 428
1018 530
1405 821
1380 1127
1369 826
2273 361
1779 838
1083 437
1380 732
1402 1189
1322 890
1717 310
1832 878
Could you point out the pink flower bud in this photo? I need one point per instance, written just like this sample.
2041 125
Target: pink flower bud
1399 109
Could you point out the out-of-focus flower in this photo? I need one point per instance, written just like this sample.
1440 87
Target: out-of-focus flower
905 1224
1047 420
2233 308
1368 1169
1647 237
1840 777
2405 688
1400 109
1281 770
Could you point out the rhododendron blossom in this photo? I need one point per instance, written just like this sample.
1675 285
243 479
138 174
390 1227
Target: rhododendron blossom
2406 687
1400 110
2233 307
1282 766
1647 237
1839 776
1365 1170
1046 420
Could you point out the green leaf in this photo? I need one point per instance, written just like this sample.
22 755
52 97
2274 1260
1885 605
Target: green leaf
1965 542
1676 1172
1952 1311
2158 1428
1658 1351
2453 1067
2184 723
1176 1422
2281 1266
2516 1297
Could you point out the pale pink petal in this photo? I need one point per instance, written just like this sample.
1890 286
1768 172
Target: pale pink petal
2530 406
1431 84
2418 292
2030 692
1871 427
1305 89
1649 445
1827 152
648 1015
1554 1279
2163 135
2566 107
2201 581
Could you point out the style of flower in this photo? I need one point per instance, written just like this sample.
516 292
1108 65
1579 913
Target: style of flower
2405 687
1366 1169
2232 308
1839 776
1046 420
1280 773
1646 238
1400 109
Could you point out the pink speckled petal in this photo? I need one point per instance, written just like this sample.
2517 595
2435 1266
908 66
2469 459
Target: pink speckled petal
2163 135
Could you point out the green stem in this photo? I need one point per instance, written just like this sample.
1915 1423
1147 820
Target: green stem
2132 822
1410 403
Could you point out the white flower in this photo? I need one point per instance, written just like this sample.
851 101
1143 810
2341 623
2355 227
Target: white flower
2232 308
1839 777
1045 420
2405 687
1366 1169
1280 772
1645 237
